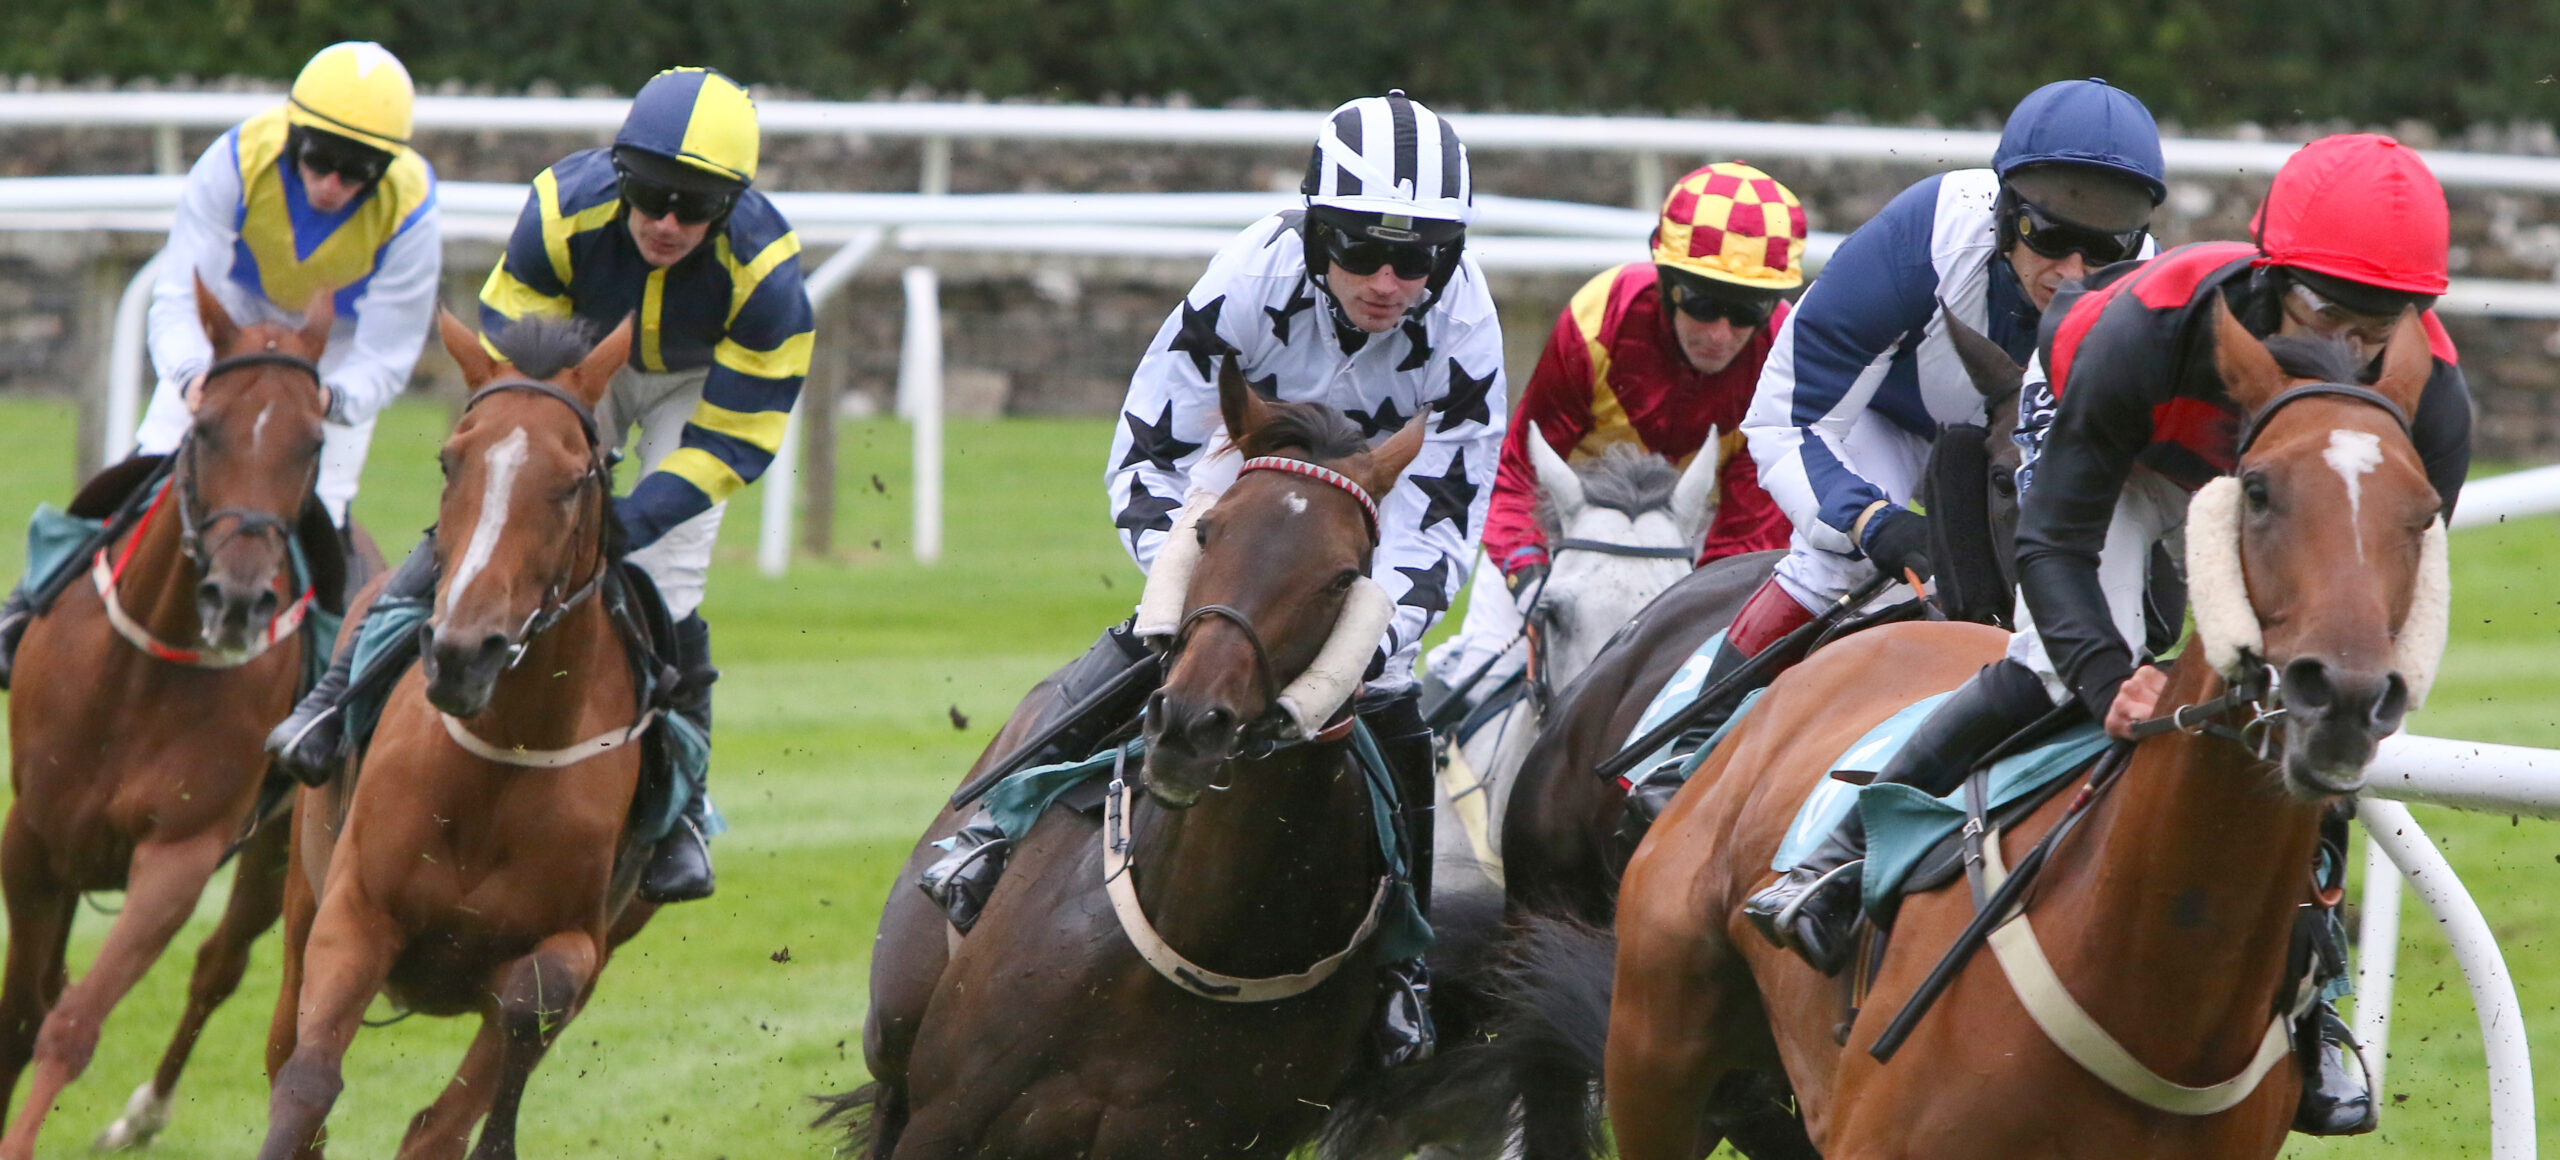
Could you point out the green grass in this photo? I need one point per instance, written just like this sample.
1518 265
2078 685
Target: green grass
836 740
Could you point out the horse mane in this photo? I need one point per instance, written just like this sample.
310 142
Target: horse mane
2318 357
1318 433
542 347
1624 478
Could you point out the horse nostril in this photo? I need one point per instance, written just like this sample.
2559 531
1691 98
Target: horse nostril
208 595
2307 684
264 607
2390 708
1211 729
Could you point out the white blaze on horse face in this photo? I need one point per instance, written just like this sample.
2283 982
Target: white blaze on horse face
2354 455
1297 504
504 460
258 432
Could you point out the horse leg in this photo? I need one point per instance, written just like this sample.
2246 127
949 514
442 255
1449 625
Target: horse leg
443 1130
537 996
299 908
161 889
257 896
1662 1062
40 912
348 952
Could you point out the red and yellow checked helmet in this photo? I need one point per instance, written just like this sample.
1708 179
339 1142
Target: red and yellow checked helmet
1733 223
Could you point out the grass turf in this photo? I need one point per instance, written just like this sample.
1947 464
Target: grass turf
854 691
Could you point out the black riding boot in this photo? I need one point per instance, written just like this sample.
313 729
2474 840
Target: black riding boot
2337 1099
311 742
679 869
1812 908
104 497
961 881
1650 790
1405 1033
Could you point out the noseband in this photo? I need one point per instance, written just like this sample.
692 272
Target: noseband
554 605
194 523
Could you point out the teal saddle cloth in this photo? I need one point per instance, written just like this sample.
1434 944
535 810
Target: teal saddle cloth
1017 802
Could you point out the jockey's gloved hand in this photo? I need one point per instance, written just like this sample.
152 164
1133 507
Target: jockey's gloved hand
1898 540
1526 582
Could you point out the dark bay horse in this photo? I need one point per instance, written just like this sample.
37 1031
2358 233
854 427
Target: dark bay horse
2166 918
1043 1032
475 860
142 700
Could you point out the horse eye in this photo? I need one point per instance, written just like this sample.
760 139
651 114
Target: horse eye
1200 533
2004 482
1343 582
2255 488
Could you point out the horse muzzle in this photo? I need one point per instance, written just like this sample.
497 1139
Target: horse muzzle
2334 719
232 612
1187 745
462 673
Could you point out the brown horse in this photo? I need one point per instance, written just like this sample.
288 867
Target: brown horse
1044 1033
479 863
2168 915
136 761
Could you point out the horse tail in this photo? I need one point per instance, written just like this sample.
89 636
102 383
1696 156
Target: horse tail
1531 1069
858 1113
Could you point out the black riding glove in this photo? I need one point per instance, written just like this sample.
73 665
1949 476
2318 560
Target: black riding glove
1898 541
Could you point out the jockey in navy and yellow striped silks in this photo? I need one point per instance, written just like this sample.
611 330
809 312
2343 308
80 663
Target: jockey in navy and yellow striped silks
735 304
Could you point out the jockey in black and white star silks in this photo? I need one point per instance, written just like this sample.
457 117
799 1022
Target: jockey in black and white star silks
1258 301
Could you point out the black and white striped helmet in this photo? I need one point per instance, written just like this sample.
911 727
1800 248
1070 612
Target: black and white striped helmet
1390 156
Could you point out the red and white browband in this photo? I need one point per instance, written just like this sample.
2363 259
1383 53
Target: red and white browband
1368 506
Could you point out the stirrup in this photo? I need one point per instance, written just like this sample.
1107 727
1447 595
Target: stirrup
287 751
1785 920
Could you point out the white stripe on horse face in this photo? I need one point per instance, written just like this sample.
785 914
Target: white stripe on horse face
2354 455
259 433
504 460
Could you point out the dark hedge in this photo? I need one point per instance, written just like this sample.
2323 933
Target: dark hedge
2452 63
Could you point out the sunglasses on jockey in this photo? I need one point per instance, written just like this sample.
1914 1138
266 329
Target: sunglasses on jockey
690 207
1743 312
1411 261
2059 237
349 162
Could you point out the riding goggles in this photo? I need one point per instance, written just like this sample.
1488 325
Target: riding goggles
1411 260
1706 306
2056 237
657 201
348 162
2325 315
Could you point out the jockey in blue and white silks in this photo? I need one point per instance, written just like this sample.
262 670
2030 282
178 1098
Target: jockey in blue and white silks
1864 375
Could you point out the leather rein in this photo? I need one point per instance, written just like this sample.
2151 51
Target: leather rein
193 525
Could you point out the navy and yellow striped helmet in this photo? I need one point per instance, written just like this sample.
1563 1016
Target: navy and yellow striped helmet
698 118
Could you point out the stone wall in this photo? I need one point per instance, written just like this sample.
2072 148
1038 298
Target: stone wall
1048 335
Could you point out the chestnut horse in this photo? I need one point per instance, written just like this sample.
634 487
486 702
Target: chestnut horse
2166 918
430 869
1043 1032
142 700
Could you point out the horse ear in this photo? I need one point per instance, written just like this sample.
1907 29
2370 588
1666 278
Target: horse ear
595 372
318 315
2408 361
478 366
1238 403
218 326
1990 368
1388 460
1693 499
1555 476
2249 374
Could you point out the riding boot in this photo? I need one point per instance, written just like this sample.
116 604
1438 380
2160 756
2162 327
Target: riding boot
961 881
679 869
2337 1098
1765 619
1813 906
1405 1032
311 742
102 498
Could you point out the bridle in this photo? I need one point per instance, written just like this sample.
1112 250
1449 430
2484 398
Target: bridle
599 472
194 523
1268 725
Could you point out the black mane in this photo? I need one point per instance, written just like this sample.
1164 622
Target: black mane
2324 358
1319 433
543 347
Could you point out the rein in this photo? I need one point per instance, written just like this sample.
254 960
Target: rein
554 606
1607 548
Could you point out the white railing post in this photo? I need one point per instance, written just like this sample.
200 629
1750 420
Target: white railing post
2493 991
2377 958
125 353
920 401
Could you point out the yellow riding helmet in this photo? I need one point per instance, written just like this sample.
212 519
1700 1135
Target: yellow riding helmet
697 116
355 89
1733 223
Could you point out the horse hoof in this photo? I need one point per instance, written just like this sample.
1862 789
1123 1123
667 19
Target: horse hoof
144 1115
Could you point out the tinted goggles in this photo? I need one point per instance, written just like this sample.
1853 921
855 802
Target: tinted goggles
2327 316
350 163
1411 260
1744 312
2056 237
657 201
